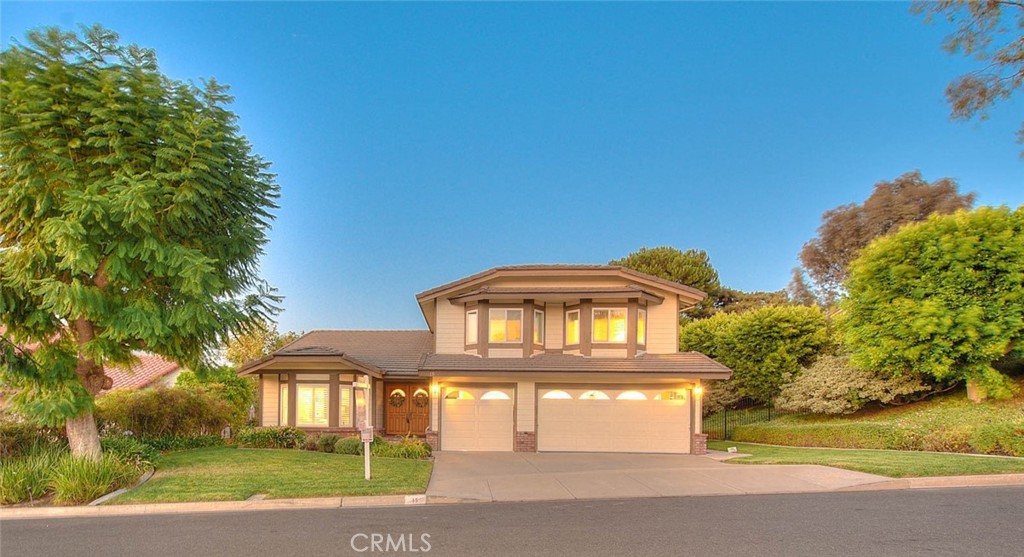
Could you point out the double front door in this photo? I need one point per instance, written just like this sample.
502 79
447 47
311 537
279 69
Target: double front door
406 408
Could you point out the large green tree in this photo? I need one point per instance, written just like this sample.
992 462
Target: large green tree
991 32
845 230
260 340
943 298
763 347
691 268
132 216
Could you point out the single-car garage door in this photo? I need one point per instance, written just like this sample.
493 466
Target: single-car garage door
477 419
615 419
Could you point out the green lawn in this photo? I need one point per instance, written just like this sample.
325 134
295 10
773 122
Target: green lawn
231 474
895 464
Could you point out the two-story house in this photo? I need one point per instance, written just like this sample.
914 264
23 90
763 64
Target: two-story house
523 358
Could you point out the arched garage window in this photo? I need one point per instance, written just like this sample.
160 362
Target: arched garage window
495 395
631 395
594 395
458 395
671 395
557 395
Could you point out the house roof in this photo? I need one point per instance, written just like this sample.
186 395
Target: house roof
147 370
683 363
391 352
540 292
672 286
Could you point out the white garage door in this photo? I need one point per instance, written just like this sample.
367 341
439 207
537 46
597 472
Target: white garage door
613 420
477 419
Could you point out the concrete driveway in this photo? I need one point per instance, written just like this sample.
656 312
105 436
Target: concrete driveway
555 476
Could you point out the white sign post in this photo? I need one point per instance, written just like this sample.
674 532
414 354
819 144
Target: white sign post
366 432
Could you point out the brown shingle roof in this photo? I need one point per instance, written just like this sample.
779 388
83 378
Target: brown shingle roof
690 363
395 352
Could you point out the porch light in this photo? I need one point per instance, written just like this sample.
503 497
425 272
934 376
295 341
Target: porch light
698 390
435 389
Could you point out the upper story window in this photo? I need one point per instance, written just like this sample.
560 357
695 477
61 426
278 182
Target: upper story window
472 326
641 327
572 327
609 325
538 326
506 325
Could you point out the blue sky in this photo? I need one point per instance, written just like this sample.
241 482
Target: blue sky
419 143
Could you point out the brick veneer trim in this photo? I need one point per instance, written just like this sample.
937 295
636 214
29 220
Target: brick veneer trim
526 442
700 444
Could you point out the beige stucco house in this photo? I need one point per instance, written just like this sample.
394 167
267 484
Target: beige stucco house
523 358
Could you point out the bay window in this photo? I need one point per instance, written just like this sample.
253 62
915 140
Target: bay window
609 325
506 325
641 327
311 406
538 326
572 327
472 326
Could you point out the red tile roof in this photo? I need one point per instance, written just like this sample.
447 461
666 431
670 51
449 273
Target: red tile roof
143 373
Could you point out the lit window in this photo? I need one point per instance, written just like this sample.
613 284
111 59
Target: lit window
495 395
572 327
631 395
594 395
472 326
506 325
609 325
538 326
671 395
458 395
283 418
345 407
311 405
557 395
641 327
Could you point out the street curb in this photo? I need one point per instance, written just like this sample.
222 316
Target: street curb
210 507
145 478
939 482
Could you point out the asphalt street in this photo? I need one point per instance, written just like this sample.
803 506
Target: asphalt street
966 521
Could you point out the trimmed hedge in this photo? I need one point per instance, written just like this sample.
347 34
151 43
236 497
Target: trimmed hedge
349 445
270 437
161 412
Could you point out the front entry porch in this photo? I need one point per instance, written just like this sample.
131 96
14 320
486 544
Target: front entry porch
406 408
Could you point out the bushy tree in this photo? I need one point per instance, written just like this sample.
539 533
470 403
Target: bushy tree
845 230
132 216
763 346
730 300
691 268
256 342
832 386
992 32
943 299
225 384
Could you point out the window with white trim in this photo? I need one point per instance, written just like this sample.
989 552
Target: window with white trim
345 407
609 326
282 418
506 325
538 326
311 405
641 327
472 326
572 327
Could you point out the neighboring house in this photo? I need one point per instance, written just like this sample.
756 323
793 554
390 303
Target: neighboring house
525 358
150 371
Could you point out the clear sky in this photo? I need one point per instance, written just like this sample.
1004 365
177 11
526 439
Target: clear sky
419 143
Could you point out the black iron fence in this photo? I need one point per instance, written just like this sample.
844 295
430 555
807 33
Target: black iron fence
723 423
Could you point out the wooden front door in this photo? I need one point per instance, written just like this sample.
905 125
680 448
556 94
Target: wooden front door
407 408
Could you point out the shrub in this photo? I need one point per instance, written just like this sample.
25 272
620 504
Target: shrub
77 480
409 447
270 437
832 386
166 443
325 443
349 445
19 437
1004 439
130 450
225 384
160 411
845 435
27 477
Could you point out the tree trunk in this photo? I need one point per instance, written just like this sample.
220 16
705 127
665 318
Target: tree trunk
82 436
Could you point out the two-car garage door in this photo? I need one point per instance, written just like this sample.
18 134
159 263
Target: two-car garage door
592 419
613 420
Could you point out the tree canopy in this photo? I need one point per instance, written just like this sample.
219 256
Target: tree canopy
256 342
943 298
845 230
132 217
992 32
691 268
763 346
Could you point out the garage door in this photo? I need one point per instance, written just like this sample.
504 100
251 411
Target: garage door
477 419
613 420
